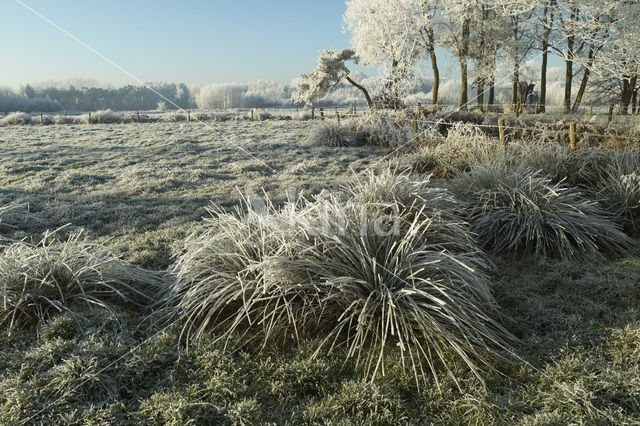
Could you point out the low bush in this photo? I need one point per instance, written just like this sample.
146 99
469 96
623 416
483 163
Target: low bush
103 117
559 162
63 119
464 146
51 276
406 196
341 271
620 195
173 117
16 118
11 214
516 211
330 133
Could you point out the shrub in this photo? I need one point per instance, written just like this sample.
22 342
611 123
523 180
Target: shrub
10 214
49 277
413 196
384 289
16 118
464 146
330 133
332 268
517 211
620 195
382 130
103 117
559 162
63 119
225 276
173 117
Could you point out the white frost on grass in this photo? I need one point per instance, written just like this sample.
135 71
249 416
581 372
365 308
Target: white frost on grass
146 185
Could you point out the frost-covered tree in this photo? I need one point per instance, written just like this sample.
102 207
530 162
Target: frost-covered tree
486 41
619 58
386 34
458 19
331 69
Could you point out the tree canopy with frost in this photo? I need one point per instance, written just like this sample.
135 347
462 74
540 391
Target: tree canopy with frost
386 34
331 69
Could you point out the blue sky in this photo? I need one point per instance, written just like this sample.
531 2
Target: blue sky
195 42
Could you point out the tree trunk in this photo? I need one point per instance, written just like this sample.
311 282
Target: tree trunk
545 56
394 72
434 66
366 93
480 88
492 90
568 75
543 79
585 79
516 84
634 102
629 86
464 83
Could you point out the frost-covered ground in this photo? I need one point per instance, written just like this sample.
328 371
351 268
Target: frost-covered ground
144 186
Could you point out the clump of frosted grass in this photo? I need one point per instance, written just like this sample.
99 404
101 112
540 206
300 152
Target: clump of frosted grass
103 117
39 280
16 118
330 133
516 211
340 270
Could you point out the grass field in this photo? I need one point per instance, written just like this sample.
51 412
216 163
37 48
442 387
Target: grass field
140 190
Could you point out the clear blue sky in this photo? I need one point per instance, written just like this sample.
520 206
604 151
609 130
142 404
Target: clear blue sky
162 40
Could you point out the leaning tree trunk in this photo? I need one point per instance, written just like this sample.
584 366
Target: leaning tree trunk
366 93
434 66
585 79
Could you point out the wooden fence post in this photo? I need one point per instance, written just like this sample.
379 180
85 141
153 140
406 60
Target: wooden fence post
41 119
338 115
321 113
89 118
188 116
415 126
138 116
501 131
251 114
572 136
313 112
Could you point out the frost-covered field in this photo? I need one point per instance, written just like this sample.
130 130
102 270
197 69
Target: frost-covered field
569 296
143 186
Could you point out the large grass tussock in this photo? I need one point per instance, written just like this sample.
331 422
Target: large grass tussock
330 133
518 211
345 271
53 275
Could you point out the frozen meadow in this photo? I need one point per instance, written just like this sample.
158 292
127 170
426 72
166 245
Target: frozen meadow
143 186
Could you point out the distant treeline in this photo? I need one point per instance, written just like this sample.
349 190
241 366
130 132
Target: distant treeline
126 98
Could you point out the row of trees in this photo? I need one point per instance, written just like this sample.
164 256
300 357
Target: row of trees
147 97
595 38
